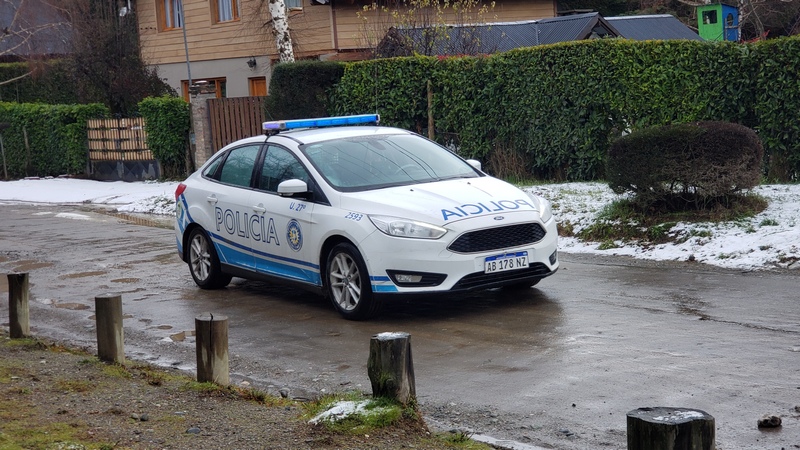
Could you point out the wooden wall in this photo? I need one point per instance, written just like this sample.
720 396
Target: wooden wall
313 29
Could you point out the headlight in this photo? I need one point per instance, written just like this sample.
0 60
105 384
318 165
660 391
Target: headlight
545 210
395 226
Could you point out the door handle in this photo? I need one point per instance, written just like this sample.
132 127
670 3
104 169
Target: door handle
212 199
260 208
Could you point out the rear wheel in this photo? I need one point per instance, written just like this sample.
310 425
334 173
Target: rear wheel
204 262
348 284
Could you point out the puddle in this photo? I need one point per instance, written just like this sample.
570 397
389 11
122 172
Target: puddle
124 316
83 274
180 337
27 266
126 280
71 306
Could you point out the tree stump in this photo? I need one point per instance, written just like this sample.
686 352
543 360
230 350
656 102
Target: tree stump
212 348
664 428
390 367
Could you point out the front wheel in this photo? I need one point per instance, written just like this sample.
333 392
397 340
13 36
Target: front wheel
348 285
204 262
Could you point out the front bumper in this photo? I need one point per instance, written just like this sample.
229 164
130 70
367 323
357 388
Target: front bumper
440 270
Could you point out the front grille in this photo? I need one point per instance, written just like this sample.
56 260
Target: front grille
497 238
480 280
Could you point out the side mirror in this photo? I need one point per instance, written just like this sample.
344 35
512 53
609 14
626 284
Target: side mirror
293 187
474 163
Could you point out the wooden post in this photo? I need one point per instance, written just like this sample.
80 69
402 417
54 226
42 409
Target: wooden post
19 316
670 429
212 348
110 339
391 368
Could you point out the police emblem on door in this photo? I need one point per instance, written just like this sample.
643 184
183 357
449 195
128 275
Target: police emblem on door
294 235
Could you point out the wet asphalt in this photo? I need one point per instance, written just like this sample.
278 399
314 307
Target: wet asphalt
555 366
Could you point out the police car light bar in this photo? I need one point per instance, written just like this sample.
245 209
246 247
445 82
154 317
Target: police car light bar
279 125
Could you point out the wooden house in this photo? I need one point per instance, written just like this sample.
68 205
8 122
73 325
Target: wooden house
229 43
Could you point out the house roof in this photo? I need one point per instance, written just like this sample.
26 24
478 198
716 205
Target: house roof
653 27
500 37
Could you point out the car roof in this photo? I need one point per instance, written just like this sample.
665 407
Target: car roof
311 135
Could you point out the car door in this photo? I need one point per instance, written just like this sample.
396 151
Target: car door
280 248
231 209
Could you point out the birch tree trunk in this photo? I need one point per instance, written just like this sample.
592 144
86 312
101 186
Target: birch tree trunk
280 26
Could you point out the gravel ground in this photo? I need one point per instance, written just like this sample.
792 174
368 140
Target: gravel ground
52 397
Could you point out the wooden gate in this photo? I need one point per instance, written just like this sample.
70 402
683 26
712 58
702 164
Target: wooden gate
118 150
235 118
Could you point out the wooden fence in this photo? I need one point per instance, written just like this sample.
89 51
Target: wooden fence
118 140
235 118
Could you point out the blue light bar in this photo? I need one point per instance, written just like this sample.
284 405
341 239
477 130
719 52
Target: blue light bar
279 125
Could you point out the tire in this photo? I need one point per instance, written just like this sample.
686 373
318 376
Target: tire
347 283
204 263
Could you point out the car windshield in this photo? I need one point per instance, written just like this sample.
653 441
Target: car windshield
370 162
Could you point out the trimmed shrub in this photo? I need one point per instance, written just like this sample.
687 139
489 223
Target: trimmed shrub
301 89
168 121
691 164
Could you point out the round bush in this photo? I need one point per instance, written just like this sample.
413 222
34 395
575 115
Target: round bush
693 162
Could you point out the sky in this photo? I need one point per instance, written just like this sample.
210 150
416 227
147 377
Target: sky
770 240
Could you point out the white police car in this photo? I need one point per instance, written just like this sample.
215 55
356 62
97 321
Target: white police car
360 213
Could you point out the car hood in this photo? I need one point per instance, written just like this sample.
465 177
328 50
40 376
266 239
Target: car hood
443 202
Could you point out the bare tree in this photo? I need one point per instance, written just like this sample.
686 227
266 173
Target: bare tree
105 57
769 18
31 30
426 27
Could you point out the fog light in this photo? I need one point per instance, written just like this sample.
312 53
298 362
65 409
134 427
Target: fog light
416 279
554 257
407 278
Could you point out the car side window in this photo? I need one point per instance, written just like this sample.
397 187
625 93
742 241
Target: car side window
280 165
211 170
238 166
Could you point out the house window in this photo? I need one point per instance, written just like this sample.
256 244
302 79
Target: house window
170 14
218 83
294 4
225 10
709 17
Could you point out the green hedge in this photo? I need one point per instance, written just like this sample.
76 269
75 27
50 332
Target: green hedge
301 89
167 122
46 140
562 105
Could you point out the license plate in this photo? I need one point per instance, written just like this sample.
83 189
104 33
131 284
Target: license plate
502 263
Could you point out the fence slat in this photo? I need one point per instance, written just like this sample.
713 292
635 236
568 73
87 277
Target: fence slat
118 140
235 118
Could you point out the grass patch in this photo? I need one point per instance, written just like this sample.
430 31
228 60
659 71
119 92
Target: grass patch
117 371
74 385
626 221
364 416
